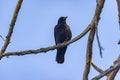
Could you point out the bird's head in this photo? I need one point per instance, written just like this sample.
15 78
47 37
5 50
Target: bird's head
62 20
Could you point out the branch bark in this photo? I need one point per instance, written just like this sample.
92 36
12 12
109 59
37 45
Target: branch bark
118 4
112 75
12 24
94 24
96 68
89 54
110 72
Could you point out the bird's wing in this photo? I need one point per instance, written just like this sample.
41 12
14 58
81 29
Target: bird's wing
59 34
55 34
68 32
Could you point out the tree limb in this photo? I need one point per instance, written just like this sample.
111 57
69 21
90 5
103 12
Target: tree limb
94 23
118 5
47 48
96 68
112 75
12 24
51 47
89 54
106 72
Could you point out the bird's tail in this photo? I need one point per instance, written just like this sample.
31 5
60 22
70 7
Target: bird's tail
60 55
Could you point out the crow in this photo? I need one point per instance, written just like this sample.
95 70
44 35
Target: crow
62 33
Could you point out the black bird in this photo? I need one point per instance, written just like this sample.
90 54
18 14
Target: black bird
62 33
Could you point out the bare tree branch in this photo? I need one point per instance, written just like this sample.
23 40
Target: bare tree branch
2 38
96 68
112 75
118 4
108 72
7 41
89 54
47 48
51 47
94 23
99 44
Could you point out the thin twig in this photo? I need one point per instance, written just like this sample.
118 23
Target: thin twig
98 40
14 18
96 68
2 38
99 44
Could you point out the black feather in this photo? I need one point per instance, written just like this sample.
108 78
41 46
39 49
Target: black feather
62 33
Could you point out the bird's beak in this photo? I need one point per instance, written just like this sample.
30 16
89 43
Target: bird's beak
65 17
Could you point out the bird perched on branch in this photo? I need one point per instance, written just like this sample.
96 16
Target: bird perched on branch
62 33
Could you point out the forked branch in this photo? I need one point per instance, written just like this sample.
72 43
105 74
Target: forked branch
12 24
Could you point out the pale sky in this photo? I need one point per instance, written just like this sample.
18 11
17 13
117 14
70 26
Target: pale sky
35 27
